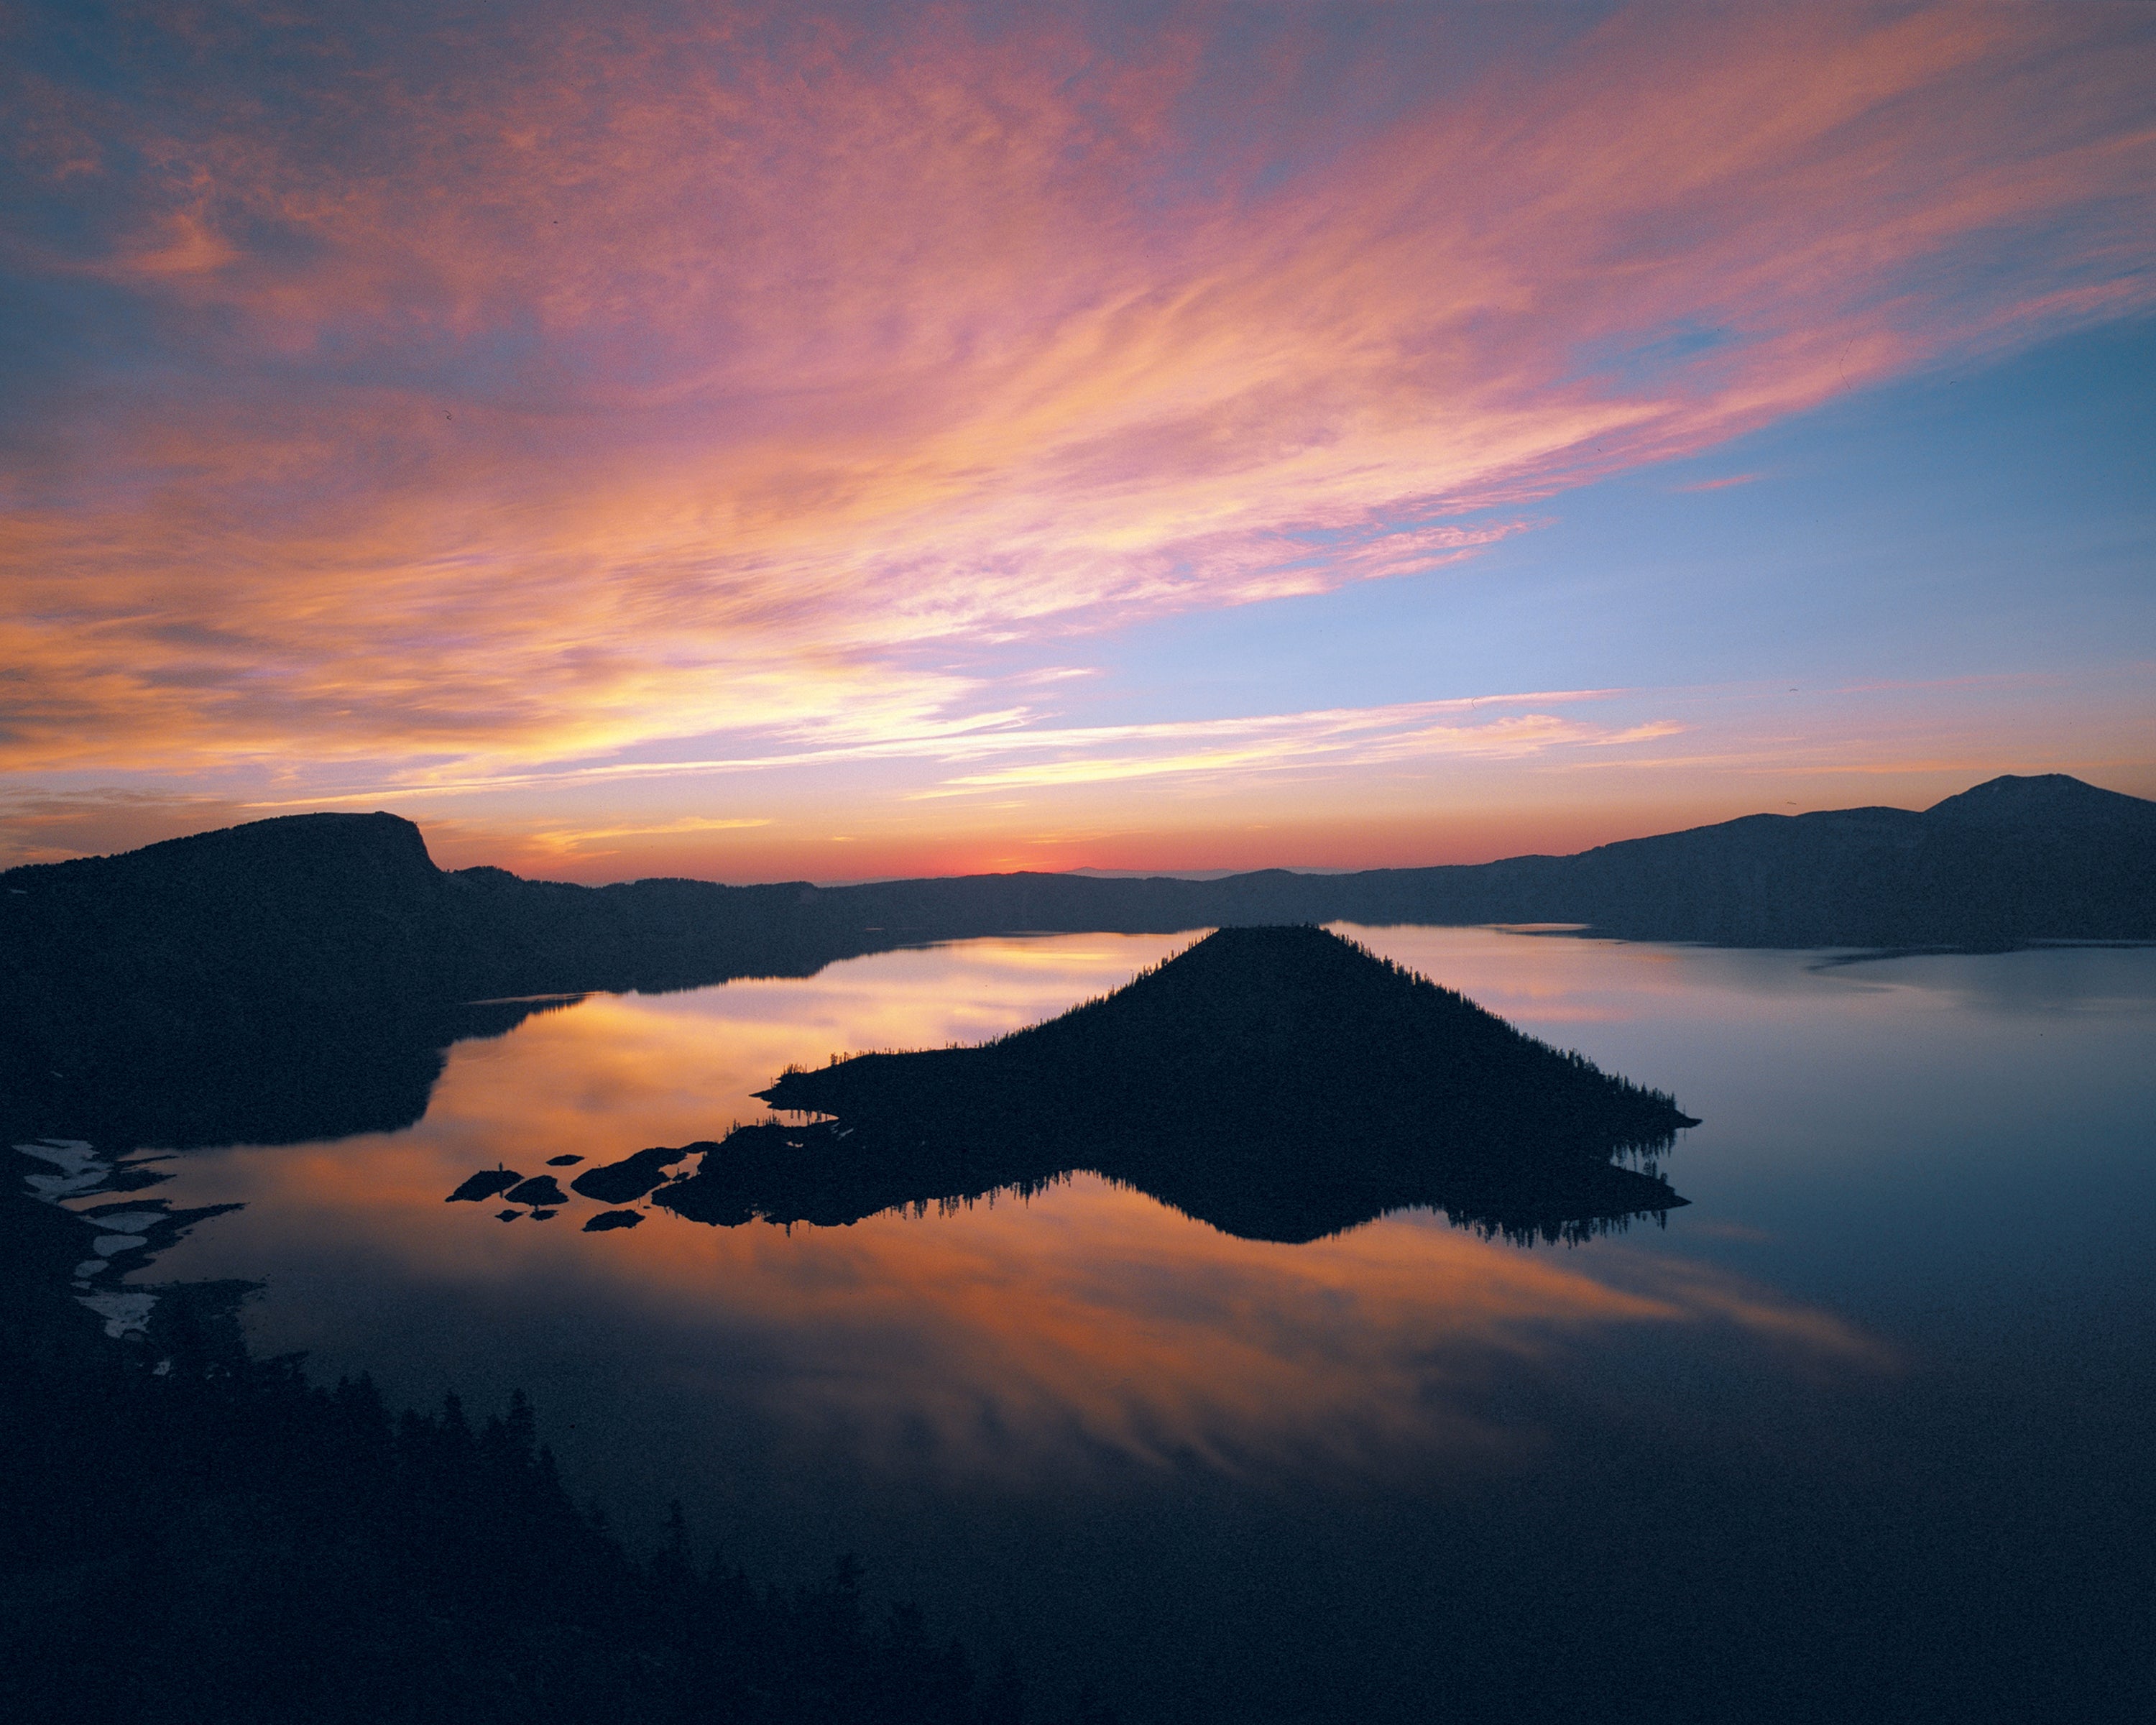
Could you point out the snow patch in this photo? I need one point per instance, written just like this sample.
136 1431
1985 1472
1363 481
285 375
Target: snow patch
125 1314
53 1188
79 1171
130 1222
69 1155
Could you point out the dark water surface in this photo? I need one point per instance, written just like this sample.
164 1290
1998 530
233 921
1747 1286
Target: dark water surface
1865 1431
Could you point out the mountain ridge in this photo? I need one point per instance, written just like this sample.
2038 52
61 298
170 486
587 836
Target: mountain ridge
202 969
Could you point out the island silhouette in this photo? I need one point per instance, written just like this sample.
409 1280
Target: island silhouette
1277 1083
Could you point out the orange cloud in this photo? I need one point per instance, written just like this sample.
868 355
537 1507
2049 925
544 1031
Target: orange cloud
1353 735
533 396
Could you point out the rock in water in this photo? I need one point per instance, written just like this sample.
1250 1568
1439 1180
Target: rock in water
625 1181
539 1191
484 1184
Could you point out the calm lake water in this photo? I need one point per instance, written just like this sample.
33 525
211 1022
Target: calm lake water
1863 1429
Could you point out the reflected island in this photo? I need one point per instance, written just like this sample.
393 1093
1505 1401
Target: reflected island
1277 1083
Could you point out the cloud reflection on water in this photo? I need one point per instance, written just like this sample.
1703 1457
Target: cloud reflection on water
994 1340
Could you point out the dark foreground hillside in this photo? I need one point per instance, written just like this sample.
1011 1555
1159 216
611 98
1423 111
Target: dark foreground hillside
189 1535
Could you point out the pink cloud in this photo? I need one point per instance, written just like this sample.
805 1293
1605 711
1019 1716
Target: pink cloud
532 398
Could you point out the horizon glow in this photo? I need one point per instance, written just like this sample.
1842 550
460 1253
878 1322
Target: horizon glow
762 442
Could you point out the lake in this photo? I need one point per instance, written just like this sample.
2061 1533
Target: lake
1864 1430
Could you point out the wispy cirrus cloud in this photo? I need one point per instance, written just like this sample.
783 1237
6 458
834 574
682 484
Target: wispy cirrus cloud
1359 737
1722 484
478 390
1484 727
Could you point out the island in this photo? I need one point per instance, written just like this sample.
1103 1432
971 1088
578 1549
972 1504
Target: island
1278 1083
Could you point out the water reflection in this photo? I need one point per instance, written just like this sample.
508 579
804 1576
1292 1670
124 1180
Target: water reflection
320 1075
1892 1368
974 1336
1005 1335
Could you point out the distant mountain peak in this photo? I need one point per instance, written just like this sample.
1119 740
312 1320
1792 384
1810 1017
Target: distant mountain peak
261 848
2043 799
302 872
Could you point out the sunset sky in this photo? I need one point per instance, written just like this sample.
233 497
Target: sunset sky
788 441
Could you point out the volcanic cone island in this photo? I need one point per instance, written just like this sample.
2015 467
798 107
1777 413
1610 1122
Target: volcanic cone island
1278 1083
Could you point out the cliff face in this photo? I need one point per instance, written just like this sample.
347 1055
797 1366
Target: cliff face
300 976
233 963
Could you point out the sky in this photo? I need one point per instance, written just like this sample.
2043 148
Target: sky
833 442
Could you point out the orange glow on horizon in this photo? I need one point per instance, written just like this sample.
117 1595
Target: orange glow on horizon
750 388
